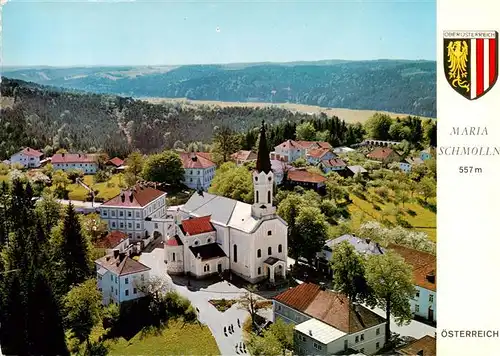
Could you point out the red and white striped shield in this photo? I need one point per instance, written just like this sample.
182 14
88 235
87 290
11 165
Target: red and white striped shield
471 61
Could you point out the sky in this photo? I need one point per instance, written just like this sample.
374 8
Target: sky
64 33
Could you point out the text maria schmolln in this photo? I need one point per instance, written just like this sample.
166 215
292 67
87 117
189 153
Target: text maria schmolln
469 150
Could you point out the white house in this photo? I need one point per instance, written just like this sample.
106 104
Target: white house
138 212
69 161
198 170
423 305
317 155
409 162
326 323
27 157
120 277
290 150
213 234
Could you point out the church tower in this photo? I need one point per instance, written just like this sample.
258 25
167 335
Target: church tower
263 180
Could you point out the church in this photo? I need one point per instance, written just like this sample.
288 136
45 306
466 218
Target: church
212 234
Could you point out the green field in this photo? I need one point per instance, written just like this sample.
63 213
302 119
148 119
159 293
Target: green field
176 339
421 218
107 190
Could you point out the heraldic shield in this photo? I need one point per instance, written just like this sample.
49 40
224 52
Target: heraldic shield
471 61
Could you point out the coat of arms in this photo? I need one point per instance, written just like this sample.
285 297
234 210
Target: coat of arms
471 61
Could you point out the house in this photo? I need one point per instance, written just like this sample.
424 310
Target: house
384 154
290 150
198 170
136 212
316 155
279 169
327 323
362 246
115 162
425 346
426 154
119 277
409 162
424 273
333 165
351 171
27 157
242 157
214 234
69 161
303 178
114 240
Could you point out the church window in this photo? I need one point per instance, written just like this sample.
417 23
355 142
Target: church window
173 256
235 254
257 196
209 240
259 271
256 179
280 248
259 254
269 250
269 197
269 233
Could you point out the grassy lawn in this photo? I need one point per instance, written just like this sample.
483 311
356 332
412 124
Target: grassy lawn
107 190
176 339
419 217
4 178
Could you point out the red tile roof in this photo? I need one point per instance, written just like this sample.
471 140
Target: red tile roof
31 152
423 264
195 160
244 156
305 176
335 162
138 196
197 226
121 265
299 297
112 239
206 155
117 162
329 307
318 152
72 158
314 144
174 241
381 153
291 144
425 345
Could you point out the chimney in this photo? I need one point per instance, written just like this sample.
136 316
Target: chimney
62 154
431 277
116 253
123 197
122 256
79 155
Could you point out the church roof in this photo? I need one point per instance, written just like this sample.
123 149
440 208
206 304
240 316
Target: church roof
223 211
208 251
196 226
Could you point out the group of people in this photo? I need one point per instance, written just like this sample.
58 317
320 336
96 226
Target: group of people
240 347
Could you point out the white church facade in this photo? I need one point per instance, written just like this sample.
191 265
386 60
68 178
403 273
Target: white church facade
213 234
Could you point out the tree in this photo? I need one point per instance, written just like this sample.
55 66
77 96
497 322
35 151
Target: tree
249 302
391 281
276 340
349 272
225 143
311 233
60 179
299 162
82 306
94 226
305 131
378 126
165 167
233 182
71 254
135 164
288 210
402 195
153 287
427 187
48 211
431 133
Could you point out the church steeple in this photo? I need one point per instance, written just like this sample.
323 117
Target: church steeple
263 181
263 161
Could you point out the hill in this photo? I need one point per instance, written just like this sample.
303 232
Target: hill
382 85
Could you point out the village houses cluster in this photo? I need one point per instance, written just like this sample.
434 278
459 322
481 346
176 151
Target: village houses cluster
211 234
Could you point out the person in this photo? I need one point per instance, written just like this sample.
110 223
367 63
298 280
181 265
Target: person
225 332
239 323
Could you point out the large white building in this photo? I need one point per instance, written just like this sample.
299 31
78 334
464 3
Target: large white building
212 233
198 170
326 323
423 305
290 150
139 212
27 157
120 277
70 161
